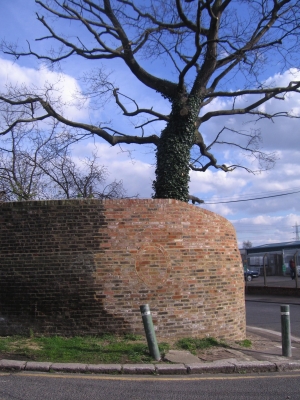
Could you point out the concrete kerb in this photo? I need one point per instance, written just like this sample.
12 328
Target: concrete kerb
222 366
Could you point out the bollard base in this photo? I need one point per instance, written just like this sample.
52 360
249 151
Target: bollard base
150 333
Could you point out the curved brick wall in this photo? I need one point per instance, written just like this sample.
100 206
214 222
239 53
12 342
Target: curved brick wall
85 267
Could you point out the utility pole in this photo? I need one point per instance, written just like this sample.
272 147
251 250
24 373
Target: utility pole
297 231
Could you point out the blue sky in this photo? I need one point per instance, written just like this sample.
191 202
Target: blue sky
261 221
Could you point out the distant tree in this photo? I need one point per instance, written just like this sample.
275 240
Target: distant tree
20 175
38 165
87 180
247 244
214 50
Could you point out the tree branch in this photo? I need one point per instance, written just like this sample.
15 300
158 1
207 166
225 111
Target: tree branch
138 110
50 112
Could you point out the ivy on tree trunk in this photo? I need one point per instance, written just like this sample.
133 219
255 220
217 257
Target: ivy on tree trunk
173 150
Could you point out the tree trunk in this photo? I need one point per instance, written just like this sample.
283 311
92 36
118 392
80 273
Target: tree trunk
173 150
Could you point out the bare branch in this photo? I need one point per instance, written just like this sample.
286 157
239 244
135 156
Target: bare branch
50 112
138 110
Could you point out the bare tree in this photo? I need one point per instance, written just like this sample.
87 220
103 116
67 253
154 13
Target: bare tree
86 178
20 176
213 49
38 165
247 244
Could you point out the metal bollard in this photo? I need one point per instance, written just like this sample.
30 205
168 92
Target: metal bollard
150 333
285 330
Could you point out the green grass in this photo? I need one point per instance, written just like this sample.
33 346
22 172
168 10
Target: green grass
104 349
245 343
194 344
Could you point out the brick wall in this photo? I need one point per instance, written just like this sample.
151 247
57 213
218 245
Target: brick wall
85 267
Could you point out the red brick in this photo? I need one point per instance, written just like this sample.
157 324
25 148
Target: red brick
85 266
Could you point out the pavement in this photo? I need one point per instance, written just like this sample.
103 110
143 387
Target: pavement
265 355
274 281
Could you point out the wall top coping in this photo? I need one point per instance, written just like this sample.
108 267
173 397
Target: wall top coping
114 203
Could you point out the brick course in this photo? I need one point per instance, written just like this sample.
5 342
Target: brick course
85 266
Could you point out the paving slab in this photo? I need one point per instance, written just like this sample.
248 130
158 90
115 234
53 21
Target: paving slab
181 356
12 365
104 368
239 355
138 369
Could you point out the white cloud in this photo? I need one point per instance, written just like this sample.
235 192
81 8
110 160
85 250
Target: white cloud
137 175
65 87
267 229
266 220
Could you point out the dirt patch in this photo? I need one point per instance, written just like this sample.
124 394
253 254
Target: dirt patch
235 350
215 355
25 343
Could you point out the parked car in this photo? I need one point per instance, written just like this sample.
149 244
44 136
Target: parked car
249 275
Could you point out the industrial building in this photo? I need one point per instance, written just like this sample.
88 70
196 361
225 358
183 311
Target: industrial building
275 256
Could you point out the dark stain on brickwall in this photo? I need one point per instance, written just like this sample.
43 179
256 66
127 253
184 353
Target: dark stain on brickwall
47 271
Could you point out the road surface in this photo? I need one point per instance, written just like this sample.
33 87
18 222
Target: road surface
25 386
267 316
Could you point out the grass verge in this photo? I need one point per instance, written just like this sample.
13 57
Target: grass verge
92 350
107 348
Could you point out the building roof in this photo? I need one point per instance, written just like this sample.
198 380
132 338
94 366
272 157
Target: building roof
265 248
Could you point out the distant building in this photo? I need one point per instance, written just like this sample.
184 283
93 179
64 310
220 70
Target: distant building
275 256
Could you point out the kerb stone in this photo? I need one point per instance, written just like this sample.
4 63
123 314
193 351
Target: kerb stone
104 368
68 367
38 366
12 365
172 369
211 368
254 366
287 365
138 369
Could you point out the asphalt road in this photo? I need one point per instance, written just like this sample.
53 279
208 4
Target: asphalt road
267 316
273 386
